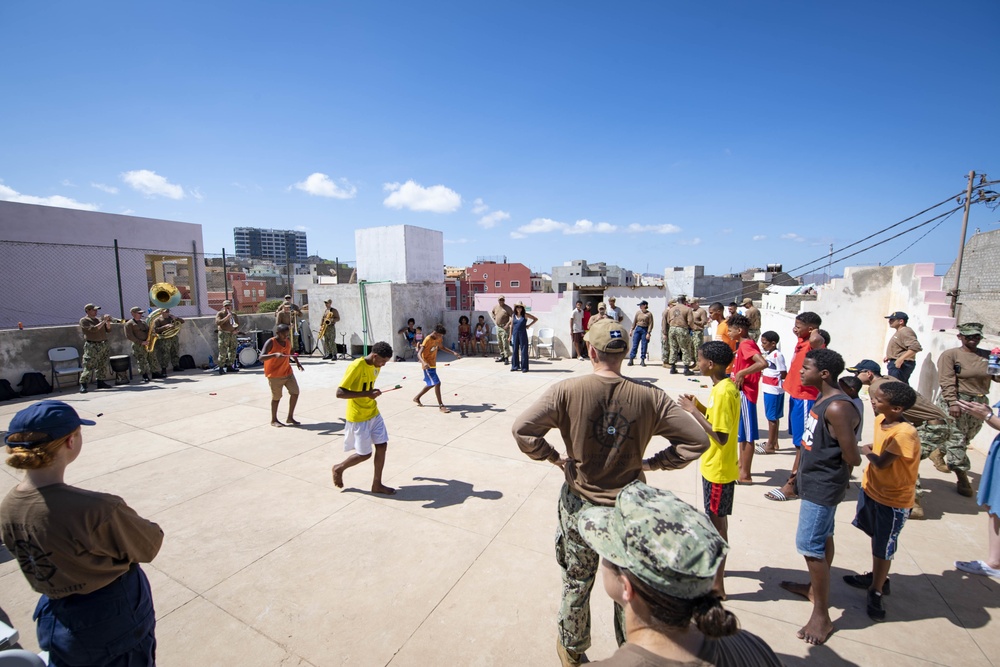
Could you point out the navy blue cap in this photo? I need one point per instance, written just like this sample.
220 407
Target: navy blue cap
865 365
898 315
54 419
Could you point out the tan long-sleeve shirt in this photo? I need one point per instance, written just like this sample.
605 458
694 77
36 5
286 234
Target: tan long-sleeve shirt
972 377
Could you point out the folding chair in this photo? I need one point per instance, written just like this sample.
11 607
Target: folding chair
64 361
545 342
494 343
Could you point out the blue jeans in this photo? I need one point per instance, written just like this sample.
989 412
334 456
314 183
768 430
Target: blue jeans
111 627
901 372
639 336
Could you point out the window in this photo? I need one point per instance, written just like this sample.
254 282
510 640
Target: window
496 283
175 270
515 283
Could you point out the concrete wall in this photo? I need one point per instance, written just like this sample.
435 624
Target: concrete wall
24 351
980 287
692 282
400 253
854 307
389 306
49 284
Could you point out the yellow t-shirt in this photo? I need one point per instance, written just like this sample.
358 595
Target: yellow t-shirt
360 376
894 485
720 464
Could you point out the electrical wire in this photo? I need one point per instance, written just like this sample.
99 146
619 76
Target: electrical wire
922 237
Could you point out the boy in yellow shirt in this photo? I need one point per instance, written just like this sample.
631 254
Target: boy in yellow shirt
887 487
720 419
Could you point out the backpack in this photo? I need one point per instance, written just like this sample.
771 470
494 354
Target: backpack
186 362
34 383
6 391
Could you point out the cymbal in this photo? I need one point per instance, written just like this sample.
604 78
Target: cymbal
256 331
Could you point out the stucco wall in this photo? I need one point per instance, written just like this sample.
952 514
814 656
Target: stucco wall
49 284
24 351
980 288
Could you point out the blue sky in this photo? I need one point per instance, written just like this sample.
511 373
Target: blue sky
646 134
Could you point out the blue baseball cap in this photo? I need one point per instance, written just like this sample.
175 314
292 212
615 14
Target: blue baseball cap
52 419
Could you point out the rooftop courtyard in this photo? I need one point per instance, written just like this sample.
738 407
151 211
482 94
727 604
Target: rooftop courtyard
265 563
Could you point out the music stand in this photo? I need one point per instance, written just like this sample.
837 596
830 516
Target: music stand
346 355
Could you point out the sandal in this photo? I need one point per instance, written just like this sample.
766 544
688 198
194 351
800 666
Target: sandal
777 495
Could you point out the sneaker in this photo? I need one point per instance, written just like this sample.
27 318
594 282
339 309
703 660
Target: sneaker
865 581
673 370
101 384
642 363
222 370
687 371
83 389
977 567
875 610
630 362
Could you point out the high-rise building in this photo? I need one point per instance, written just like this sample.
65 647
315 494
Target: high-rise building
279 245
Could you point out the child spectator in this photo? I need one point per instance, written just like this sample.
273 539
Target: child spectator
427 353
464 335
887 487
746 375
418 336
829 451
80 549
720 420
365 429
771 381
482 336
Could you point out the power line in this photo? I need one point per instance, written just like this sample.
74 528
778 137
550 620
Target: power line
922 237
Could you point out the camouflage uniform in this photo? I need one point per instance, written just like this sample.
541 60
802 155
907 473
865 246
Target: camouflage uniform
953 438
168 352
330 340
145 361
678 321
227 348
95 361
579 564
680 345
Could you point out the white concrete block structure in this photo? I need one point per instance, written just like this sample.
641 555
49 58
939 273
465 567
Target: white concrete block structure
400 254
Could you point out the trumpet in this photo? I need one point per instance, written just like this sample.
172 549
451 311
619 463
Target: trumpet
113 320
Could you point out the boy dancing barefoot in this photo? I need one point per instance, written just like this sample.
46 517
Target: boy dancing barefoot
427 352
365 428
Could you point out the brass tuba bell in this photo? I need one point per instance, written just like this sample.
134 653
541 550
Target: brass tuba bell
164 295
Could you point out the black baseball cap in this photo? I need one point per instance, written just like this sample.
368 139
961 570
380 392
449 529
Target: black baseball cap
898 315
866 365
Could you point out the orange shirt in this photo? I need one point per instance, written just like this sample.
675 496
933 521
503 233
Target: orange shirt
429 350
895 484
722 333
278 367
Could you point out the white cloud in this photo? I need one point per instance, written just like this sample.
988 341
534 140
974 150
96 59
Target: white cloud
479 206
321 185
547 225
10 194
152 184
792 236
412 195
493 219
588 227
653 229
760 237
196 193
694 241
110 189
127 211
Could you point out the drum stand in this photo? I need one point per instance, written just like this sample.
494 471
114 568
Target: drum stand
346 355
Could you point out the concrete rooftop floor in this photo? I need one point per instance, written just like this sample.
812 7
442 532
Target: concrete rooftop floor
266 563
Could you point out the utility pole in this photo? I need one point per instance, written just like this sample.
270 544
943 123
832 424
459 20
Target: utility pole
829 266
961 249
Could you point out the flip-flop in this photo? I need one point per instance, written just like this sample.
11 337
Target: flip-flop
777 495
977 567
759 449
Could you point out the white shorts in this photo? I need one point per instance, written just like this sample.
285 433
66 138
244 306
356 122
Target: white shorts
360 436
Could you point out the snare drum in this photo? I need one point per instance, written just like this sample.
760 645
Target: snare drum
244 340
247 355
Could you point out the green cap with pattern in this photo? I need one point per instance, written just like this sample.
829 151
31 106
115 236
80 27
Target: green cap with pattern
971 329
659 538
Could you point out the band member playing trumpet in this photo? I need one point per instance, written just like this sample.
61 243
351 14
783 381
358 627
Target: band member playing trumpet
288 314
228 323
137 333
328 330
95 348
167 347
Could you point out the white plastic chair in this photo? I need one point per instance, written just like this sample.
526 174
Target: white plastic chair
17 657
64 361
494 341
545 342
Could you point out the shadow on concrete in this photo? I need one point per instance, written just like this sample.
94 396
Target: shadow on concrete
532 369
941 498
965 600
445 493
465 410
818 655
325 428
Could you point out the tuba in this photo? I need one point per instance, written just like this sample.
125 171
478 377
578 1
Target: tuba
165 296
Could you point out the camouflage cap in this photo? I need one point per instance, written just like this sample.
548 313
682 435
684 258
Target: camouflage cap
971 329
607 336
227 302
91 306
659 538
135 309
